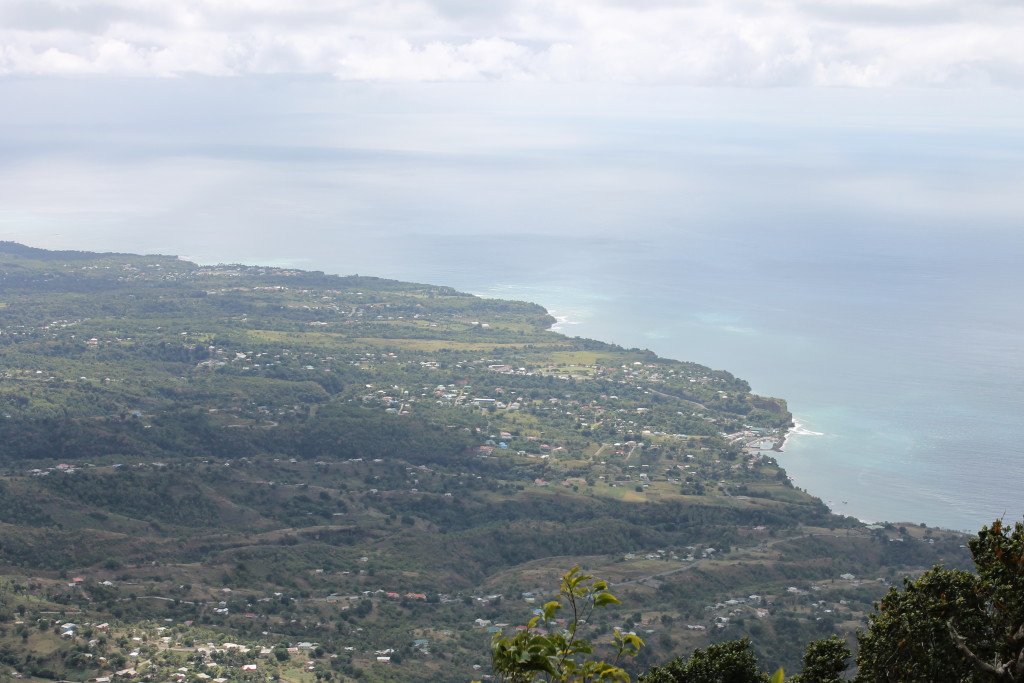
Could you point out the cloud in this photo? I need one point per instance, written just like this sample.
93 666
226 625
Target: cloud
865 43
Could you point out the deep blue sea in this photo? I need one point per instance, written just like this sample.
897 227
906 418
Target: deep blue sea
902 362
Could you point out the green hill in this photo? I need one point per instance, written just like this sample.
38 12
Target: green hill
274 456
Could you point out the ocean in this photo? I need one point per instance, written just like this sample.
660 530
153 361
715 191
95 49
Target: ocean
855 251
902 366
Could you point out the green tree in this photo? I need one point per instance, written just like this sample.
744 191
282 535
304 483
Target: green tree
825 661
729 662
908 639
952 625
534 654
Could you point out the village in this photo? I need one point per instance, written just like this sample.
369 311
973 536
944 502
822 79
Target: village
178 651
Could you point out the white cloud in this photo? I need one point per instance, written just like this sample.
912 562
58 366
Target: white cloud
701 42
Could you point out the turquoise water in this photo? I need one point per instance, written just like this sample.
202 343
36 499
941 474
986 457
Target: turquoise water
903 369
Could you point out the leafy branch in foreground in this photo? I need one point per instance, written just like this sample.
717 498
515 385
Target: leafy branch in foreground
534 654
952 625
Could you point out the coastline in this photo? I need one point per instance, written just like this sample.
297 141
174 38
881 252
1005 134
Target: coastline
778 446
560 322
562 319
796 429
860 464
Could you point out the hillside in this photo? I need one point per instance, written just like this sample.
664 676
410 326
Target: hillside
272 457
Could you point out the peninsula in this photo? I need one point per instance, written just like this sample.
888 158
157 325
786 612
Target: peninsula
242 472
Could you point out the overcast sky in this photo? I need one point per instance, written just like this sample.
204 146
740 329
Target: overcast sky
695 42
171 125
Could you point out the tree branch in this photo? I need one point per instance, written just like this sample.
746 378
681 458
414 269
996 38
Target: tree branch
1017 638
1000 671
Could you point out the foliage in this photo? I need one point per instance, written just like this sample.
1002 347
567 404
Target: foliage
824 661
953 625
729 662
535 654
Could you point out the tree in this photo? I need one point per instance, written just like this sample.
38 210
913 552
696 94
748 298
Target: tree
729 662
952 625
908 639
533 654
999 558
825 661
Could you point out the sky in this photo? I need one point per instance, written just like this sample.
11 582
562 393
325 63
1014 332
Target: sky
169 126
837 43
